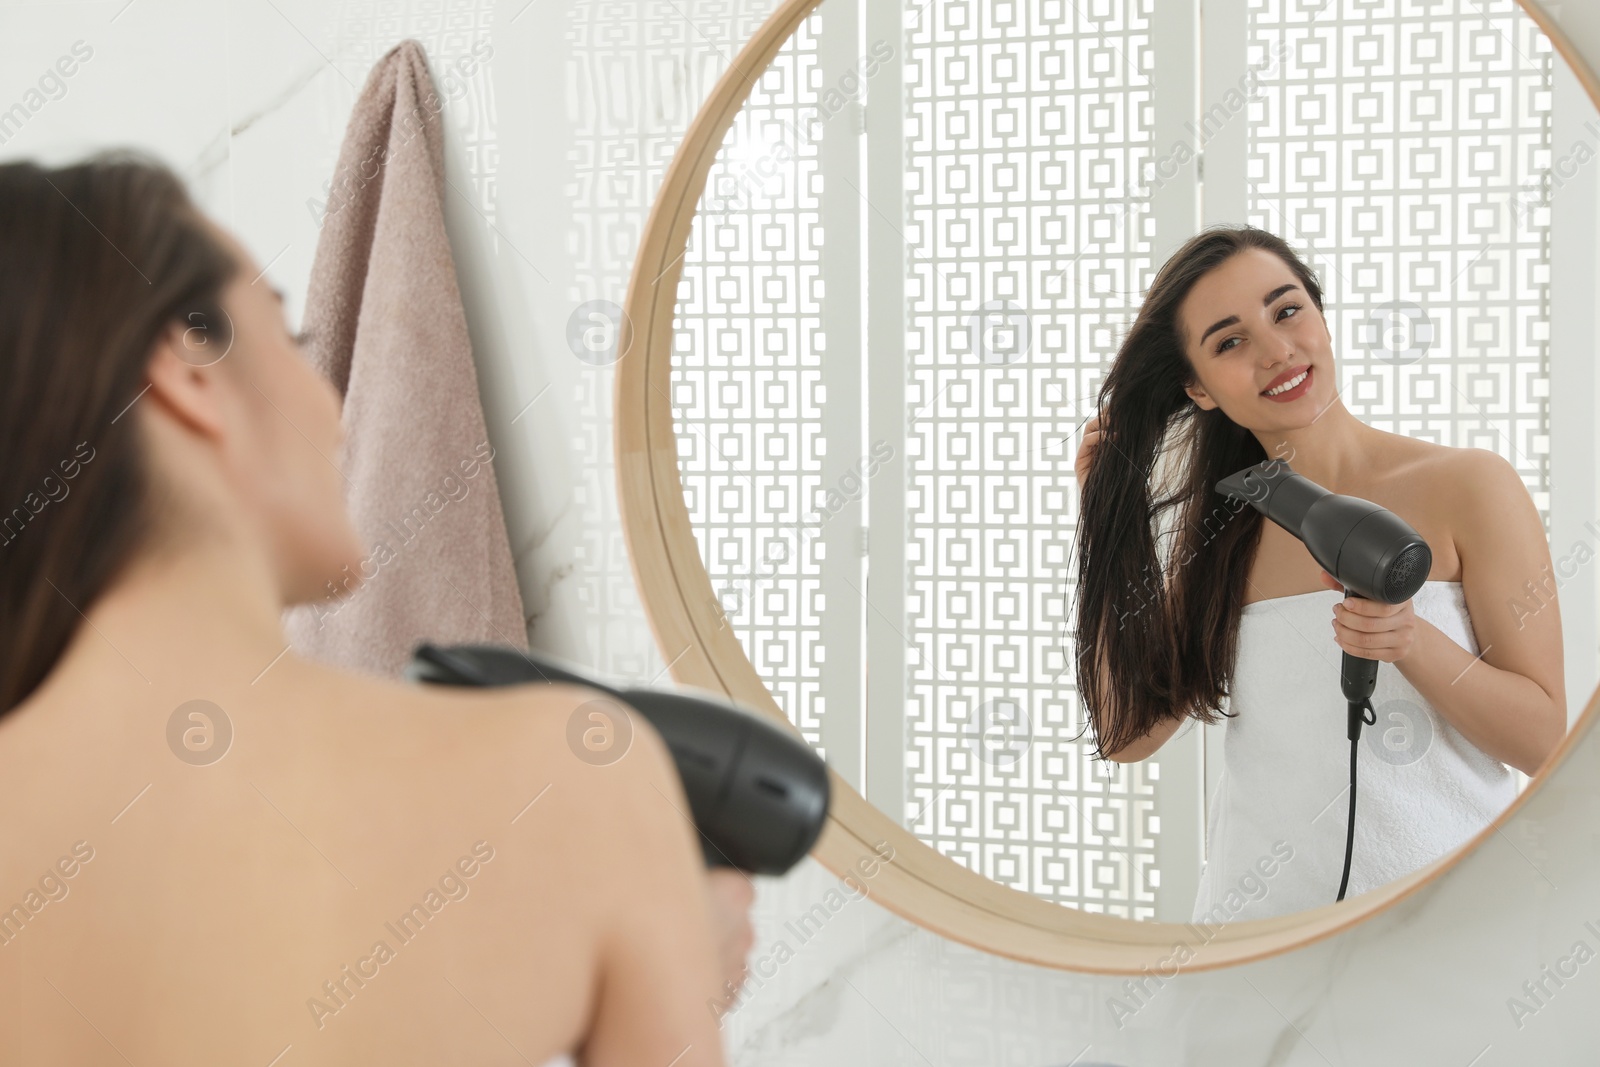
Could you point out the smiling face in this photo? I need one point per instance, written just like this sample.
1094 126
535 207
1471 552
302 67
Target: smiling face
1249 326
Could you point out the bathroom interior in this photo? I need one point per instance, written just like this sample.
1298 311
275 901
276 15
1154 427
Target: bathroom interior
676 229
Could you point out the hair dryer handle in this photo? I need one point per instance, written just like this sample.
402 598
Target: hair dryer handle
1358 677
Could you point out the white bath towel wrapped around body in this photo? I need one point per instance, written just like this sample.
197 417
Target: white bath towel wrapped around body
1277 823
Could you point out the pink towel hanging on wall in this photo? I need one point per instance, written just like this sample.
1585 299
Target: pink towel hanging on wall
387 327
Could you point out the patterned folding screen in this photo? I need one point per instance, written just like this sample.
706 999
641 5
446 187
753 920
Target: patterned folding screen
746 380
1027 126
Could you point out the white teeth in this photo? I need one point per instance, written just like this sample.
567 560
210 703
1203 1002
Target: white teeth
1290 384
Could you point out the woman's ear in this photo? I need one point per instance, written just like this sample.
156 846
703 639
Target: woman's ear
190 392
1201 398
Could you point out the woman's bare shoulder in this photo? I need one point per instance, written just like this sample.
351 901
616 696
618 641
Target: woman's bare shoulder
1417 463
1450 491
1485 490
355 691
1463 480
556 727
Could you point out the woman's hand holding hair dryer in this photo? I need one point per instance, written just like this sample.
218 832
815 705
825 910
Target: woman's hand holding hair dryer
1372 629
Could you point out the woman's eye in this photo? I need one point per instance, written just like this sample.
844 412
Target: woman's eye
1223 346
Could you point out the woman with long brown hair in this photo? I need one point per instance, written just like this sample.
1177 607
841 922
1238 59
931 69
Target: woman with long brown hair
1188 601
217 851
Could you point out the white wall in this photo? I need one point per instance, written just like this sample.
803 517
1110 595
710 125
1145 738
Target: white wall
556 148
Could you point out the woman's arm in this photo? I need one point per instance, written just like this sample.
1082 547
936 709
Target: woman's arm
1510 700
1149 744
660 992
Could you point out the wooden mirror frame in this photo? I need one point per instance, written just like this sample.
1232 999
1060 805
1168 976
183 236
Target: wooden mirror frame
918 883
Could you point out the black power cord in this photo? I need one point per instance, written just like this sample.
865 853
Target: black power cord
1359 709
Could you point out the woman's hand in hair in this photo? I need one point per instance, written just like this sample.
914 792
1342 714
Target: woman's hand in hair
1372 629
1091 440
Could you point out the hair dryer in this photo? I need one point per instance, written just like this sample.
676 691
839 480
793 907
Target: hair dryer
759 797
1370 550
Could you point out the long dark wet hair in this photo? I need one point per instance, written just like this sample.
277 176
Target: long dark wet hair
96 259
1157 627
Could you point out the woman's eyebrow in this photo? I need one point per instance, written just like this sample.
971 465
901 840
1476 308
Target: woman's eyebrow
1231 319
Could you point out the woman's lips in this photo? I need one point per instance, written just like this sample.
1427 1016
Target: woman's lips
1297 392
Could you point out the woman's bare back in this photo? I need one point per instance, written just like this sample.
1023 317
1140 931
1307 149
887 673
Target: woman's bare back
371 872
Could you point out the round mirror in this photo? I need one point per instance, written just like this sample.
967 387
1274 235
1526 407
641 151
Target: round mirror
890 268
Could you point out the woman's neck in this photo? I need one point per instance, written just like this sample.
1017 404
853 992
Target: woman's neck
1335 450
208 617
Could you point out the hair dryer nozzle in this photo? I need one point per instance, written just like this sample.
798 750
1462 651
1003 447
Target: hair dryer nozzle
1371 550
1253 484
1275 490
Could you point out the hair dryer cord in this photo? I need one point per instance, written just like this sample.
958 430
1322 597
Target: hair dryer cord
1359 712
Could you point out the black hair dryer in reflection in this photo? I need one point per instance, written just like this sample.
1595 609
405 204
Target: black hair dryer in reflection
758 796
1371 551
